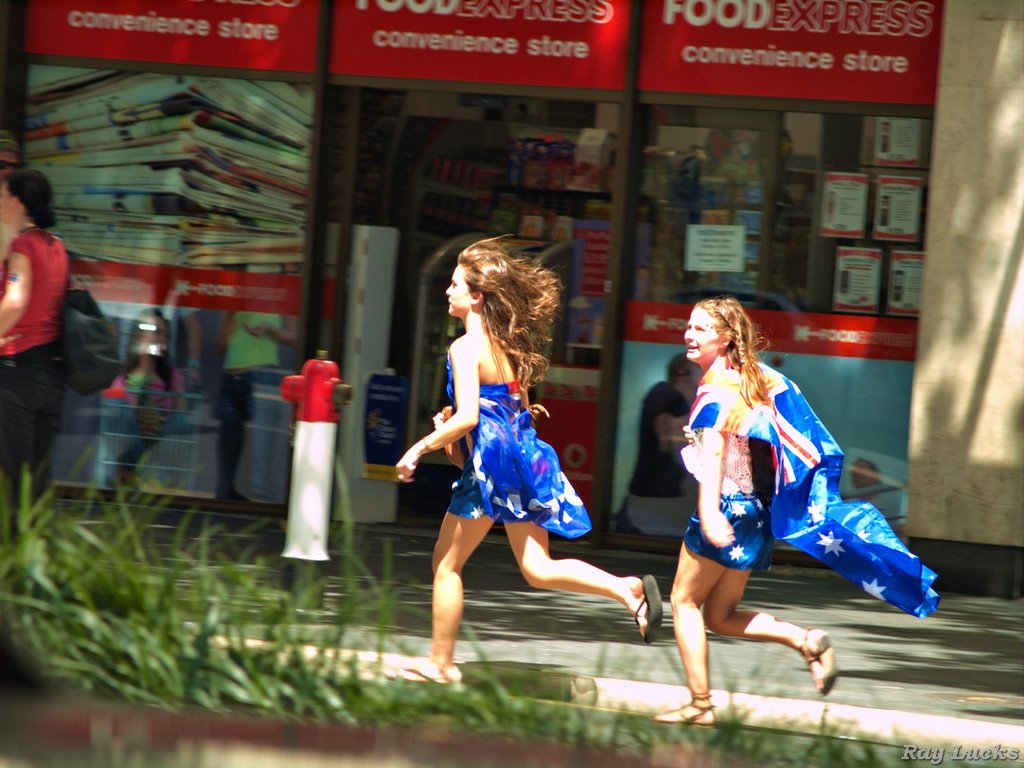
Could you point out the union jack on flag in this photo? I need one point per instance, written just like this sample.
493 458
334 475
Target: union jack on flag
853 538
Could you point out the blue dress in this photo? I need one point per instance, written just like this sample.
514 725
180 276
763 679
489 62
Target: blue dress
512 476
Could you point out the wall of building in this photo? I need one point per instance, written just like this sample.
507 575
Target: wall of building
966 481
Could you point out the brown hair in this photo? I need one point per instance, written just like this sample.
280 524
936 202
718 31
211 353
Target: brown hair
520 304
732 321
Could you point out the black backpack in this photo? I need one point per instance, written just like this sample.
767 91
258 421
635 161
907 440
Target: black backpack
88 344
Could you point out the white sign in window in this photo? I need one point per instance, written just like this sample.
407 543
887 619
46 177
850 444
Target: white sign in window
844 205
898 208
905 271
858 278
898 142
715 248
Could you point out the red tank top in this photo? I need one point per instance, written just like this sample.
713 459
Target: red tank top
49 262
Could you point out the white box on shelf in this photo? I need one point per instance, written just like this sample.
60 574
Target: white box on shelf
592 161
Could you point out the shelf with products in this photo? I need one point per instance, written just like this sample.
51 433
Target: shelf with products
547 214
446 215
452 193
455 190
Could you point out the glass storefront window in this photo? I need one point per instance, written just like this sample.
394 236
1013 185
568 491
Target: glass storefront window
448 169
705 175
850 213
816 223
182 201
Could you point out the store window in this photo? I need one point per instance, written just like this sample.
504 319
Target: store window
850 213
455 167
706 176
816 223
182 201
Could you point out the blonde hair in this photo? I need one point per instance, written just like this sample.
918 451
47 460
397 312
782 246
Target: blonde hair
521 301
731 320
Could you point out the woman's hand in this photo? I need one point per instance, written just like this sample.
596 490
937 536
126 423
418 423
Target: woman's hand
406 466
688 435
442 416
717 530
259 330
453 450
536 411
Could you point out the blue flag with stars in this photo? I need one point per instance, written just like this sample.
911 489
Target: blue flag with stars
853 538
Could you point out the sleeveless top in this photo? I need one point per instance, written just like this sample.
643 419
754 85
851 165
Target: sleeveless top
511 474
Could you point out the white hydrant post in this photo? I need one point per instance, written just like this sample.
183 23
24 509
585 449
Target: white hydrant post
316 432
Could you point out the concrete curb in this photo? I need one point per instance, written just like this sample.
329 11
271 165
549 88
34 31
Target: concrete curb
893 727
885 725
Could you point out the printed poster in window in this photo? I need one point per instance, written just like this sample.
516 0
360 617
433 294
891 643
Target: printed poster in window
715 248
858 278
905 271
898 142
898 208
844 205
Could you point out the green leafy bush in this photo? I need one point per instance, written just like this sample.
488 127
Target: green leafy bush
143 605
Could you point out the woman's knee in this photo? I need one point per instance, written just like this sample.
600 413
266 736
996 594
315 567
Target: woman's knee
536 570
682 600
716 621
443 562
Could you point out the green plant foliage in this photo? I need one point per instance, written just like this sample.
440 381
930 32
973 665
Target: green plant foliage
122 605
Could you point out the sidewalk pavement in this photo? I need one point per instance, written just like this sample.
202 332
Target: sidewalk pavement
955 678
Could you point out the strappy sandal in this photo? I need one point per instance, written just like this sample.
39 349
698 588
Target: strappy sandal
700 711
819 651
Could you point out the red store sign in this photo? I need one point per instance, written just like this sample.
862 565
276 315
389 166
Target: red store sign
839 50
877 338
219 289
579 44
277 35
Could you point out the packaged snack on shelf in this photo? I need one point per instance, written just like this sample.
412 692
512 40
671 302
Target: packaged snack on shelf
564 229
592 161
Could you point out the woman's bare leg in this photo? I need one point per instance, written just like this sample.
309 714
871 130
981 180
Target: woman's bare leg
456 541
530 547
722 617
696 578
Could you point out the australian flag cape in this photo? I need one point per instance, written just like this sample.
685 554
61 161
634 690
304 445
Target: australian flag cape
853 538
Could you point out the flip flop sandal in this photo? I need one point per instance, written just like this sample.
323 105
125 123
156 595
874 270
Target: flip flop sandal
821 652
652 601
429 673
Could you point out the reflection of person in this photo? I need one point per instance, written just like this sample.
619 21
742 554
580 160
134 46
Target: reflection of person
866 482
747 415
864 473
34 277
642 283
249 342
658 474
192 369
10 159
658 471
149 383
507 306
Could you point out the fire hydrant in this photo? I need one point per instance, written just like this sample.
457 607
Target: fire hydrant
316 394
